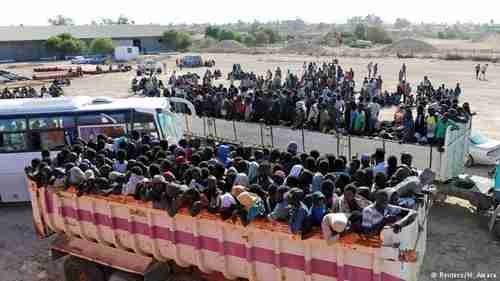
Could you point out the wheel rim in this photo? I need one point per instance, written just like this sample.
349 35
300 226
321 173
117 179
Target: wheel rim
83 277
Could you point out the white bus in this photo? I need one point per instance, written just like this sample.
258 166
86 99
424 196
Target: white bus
28 126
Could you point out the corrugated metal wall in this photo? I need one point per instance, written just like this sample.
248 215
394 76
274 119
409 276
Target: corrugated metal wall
35 50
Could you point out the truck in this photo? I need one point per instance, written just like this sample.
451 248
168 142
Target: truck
118 238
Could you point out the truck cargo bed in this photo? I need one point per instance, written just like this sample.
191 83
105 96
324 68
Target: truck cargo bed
262 251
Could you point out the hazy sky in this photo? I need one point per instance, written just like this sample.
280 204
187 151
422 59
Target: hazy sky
36 12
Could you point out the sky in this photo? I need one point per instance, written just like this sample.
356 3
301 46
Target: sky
37 12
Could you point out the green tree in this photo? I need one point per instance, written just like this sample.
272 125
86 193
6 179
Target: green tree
65 44
226 35
122 19
183 41
273 35
360 31
212 32
61 20
180 41
102 46
249 40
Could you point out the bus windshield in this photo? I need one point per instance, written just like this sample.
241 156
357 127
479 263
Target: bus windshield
168 125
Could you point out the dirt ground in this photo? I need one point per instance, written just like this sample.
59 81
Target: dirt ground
458 240
483 95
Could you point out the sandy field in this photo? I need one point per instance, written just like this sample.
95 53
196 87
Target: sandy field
484 96
458 240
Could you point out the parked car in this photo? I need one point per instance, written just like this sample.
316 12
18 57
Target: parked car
79 60
482 150
361 44
96 60
192 61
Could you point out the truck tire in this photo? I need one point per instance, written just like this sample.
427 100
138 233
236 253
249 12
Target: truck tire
76 269
184 277
123 276
469 161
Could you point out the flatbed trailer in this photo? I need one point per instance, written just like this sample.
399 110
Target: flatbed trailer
106 236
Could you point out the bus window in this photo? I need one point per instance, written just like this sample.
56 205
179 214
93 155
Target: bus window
144 122
101 119
12 125
13 142
52 122
50 140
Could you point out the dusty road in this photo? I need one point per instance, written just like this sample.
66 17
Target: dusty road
457 239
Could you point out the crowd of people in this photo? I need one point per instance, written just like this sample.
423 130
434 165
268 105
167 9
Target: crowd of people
305 190
54 90
324 99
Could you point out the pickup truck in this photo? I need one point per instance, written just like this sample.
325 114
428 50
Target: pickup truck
107 237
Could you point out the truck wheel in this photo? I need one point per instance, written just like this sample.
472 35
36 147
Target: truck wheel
496 230
76 269
184 277
123 276
469 161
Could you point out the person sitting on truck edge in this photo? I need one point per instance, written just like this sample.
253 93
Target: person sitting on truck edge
379 214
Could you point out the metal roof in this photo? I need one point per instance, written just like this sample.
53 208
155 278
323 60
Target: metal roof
42 33
78 104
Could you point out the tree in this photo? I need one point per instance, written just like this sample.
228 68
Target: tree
61 20
183 41
261 38
226 35
402 23
249 40
360 31
180 41
212 31
122 19
65 44
102 46
273 35
377 34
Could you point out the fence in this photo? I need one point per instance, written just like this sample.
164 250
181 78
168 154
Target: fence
447 164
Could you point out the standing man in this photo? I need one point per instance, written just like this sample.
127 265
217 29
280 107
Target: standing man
483 72
375 70
478 69
370 66
403 71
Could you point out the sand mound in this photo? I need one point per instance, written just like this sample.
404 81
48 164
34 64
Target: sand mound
410 46
230 45
491 39
303 47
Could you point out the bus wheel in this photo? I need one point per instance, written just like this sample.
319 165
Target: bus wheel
76 269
